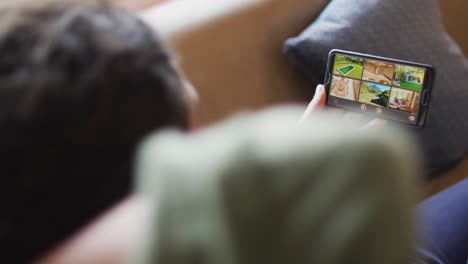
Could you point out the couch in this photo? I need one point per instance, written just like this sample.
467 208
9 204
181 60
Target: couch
232 52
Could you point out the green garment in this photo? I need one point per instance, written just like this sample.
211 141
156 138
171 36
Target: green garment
262 189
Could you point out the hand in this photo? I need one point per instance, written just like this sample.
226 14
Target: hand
318 104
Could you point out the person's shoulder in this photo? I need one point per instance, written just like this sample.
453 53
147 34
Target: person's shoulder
112 238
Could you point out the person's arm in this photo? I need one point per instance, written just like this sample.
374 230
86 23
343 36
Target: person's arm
260 189
111 239
114 237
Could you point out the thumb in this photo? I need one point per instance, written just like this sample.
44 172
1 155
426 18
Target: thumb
317 103
320 97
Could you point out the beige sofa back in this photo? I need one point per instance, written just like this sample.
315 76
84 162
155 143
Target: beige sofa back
232 50
456 20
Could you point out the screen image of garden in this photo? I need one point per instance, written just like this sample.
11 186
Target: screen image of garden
408 77
378 83
374 94
348 66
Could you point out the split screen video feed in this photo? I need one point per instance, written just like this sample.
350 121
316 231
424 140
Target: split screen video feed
384 85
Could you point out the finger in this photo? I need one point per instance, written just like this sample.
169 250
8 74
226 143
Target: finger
376 123
320 98
317 103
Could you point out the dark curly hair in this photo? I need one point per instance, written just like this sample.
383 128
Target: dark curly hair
80 85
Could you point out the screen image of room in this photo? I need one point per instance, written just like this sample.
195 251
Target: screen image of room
378 72
404 100
345 88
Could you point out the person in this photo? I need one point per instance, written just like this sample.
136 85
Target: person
80 85
118 234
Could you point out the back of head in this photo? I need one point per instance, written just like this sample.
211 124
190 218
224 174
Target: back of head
80 85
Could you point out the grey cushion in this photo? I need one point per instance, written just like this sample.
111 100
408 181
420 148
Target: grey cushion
402 29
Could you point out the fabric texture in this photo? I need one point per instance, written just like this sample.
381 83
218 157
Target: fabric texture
444 226
262 189
406 30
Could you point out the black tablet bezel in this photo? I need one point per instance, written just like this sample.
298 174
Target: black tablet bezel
426 91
